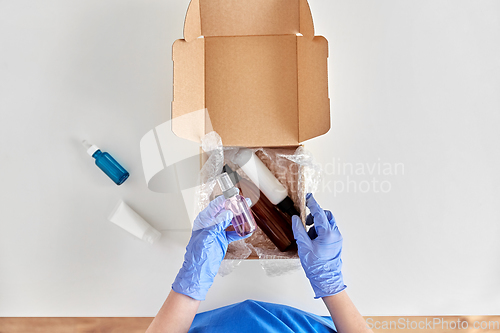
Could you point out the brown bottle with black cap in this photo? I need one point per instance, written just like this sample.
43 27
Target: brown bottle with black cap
273 222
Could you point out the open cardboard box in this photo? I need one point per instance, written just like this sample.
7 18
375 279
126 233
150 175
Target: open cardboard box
256 68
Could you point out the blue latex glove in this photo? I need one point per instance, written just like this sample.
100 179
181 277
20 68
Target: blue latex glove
206 249
320 257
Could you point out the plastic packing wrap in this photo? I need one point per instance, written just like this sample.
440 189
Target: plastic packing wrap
294 167
212 146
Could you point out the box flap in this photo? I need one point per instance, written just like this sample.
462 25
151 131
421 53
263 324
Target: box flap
192 22
306 27
312 78
189 89
251 89
247 18
262 90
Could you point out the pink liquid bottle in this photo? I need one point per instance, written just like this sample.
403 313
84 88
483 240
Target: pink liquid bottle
243 221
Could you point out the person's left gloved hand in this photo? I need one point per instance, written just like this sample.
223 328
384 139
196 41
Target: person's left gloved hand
206 249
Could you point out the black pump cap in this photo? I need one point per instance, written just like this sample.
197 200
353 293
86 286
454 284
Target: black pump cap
287 207
235 177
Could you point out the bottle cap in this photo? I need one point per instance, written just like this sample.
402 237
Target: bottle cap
91 149
151 235
227 186
242 156
235 177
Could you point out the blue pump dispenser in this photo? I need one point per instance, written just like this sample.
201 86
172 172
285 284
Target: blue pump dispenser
107 163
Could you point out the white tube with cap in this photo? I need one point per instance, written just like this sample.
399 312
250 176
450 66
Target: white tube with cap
128 219
261 176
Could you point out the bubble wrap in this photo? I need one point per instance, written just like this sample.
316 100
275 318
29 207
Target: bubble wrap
294 167
214 156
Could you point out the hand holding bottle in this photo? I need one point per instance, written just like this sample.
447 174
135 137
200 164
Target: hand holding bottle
205 251
320 257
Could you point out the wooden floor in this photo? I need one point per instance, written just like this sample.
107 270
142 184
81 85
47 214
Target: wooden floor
490 324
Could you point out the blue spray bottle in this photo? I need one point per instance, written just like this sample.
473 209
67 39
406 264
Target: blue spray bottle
107 163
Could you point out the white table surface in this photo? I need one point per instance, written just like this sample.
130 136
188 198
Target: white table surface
413 82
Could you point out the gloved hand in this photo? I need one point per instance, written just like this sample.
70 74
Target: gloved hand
206 249
320 257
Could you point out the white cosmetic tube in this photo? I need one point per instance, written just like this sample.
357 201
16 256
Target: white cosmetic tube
128 219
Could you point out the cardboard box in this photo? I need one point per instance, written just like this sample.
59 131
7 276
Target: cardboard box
258 70
255 70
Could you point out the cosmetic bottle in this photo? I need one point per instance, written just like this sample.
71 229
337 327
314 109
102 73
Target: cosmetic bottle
107 163
269 219
260 175
243 221
125 217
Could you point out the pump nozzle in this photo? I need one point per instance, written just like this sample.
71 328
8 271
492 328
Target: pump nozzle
91 149
226 185
86 144
235 177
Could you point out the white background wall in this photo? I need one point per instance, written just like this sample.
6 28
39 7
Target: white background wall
412 83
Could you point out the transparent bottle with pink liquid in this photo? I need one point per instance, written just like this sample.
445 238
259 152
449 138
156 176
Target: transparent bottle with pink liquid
243 221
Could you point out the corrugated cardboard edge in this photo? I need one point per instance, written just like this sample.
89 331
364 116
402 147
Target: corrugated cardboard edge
312 85
306 24
192 23
189 116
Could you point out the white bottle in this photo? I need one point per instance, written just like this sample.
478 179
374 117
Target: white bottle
261 176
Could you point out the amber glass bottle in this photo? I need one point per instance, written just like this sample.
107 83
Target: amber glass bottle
273 222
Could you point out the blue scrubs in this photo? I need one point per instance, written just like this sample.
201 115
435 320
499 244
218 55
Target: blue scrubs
253 316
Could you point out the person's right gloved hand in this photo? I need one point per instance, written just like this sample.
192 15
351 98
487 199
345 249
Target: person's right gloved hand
320 257
206 249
